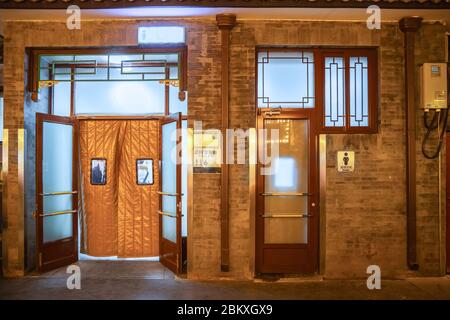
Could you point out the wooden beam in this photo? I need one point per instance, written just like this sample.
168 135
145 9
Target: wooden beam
225 22
409 26
103 4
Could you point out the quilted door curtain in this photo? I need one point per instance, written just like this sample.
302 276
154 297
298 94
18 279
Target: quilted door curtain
119 218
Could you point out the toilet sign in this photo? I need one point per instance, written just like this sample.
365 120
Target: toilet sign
346 161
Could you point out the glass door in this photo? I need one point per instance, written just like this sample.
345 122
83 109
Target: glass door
286 199
57 192
170 212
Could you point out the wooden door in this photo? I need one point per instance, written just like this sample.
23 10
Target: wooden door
287 215
56 192
170 241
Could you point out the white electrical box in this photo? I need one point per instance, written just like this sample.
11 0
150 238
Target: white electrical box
433 86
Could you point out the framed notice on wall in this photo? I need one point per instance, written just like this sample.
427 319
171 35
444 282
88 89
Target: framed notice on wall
207 151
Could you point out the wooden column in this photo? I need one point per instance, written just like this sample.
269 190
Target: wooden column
409 26
225 22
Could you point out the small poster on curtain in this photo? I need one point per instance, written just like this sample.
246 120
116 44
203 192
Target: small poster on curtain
144 171
98 171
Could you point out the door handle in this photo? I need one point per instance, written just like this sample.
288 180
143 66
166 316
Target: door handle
56 213
280 194
286 215
168 194
168 214
57 193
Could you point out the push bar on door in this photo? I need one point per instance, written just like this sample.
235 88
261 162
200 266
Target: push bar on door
168 214
56 213
279 194
168 194
58 193
286 215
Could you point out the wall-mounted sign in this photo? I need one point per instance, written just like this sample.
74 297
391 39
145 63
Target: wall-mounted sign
207 151
346 161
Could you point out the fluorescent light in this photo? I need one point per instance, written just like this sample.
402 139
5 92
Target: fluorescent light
161 35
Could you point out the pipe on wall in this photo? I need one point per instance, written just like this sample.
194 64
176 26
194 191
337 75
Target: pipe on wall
225 22
409 26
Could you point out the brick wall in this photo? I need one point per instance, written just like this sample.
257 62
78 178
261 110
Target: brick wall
365 219
430 47
365 210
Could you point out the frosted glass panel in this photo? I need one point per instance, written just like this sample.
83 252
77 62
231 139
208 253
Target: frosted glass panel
334 92
291 175
57 227
120 97
57 203
57 157
286 79
359 92
61 99
169 180
57 177
175 105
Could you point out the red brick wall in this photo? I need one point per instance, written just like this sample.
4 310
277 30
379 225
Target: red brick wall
430 47
365 218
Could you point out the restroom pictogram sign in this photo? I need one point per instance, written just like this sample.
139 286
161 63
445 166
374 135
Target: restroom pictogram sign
346 161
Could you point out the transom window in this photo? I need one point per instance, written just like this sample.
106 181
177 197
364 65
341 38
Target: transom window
341 85
286 79
132 81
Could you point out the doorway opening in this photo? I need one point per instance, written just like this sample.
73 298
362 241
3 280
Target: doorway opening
111 169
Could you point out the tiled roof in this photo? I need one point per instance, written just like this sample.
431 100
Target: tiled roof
55 4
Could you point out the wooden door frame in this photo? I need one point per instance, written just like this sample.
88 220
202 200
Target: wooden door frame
313 222
177 265
66 243
447 202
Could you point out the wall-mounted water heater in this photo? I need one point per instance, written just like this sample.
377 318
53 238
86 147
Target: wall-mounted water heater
433 101
433 86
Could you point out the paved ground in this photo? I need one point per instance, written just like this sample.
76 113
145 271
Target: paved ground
150 280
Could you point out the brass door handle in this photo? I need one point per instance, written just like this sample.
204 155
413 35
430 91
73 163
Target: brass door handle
305 215
167 194
280 194
168 214
56 213
58 193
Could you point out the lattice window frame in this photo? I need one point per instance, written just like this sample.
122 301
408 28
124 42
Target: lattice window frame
310 64
34 54
318 110
372 59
